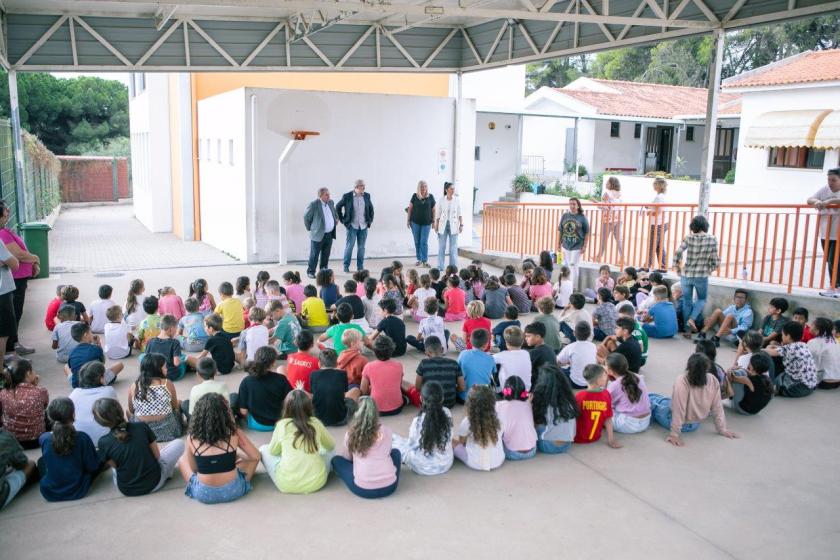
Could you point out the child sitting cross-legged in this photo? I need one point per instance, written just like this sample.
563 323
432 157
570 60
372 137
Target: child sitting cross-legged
230 310
284 327
357 306
87 350
332 337
430 325
604 316
555 410
477 365
153 399
99 309
62 341
419 297
478 438
298 456
301 364
752 388
428 448
261 393
514 360
382 379
23 403
391 325
631 404
218 345
455 300
797 376
150 325
519 436
166 344
332 396
552 337
476 320
254 337
118 337
826 352
351 360
206 369
660 320
444 371
595 405
511 320
574 357
572 315
313 311
191 331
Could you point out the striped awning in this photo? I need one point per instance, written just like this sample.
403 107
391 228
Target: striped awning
785 129
828 134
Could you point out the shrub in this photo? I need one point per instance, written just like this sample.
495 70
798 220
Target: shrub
730 177
521 183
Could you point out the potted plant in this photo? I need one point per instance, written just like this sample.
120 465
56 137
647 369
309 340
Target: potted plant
521 183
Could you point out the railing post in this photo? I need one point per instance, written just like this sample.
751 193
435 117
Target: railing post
793 251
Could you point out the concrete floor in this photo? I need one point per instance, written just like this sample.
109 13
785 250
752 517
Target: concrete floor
774 493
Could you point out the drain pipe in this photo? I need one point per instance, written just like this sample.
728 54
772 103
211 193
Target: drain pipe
252 210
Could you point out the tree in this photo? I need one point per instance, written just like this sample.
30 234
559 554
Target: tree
70 116
555 73
622 64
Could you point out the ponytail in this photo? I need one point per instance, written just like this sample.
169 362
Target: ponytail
109 414
15 373
630 384
62 412
131 301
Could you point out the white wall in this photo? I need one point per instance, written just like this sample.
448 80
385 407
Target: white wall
224 196
390 141
150 164
624 151
499 156
497 88
546 137
752 169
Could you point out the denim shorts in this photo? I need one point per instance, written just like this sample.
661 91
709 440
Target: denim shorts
205 494
546 446
513 455
16 480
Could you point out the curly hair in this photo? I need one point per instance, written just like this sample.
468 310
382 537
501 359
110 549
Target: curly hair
481 412
211 420
436 429
364 429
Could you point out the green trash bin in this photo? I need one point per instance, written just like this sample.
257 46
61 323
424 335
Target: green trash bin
36 237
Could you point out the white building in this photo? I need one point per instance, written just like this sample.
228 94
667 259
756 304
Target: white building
791 120
256 180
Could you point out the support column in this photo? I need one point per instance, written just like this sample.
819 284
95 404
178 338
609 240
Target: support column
710 132
575 154
17 141
456 143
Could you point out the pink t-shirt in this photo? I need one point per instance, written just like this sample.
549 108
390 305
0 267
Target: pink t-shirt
24 270
375 469
295 294
171 305
385 383
454 298
537 291
517 419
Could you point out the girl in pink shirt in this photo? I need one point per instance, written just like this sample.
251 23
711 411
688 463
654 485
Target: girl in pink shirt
519 435
454 298
170 303
206 302
540 286
631 404
294 289
368 465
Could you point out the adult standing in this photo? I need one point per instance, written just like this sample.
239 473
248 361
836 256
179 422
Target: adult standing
29 267
355 211
421 213
448 224
829 220
658 226
701 259
574 236
8 321
320 219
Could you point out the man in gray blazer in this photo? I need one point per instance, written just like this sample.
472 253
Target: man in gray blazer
320 220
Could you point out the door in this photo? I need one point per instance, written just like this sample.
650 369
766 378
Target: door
723 153
665 137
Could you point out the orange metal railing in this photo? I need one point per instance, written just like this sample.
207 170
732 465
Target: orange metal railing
777 244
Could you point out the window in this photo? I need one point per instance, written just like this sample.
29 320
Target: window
800 158
230 152
136 83
637 130
614 129
689 134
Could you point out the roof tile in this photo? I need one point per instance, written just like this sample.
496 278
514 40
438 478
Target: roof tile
809 67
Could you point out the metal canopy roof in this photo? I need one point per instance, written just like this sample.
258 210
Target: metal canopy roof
388 35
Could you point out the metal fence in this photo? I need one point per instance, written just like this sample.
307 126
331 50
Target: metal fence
778 244
40 177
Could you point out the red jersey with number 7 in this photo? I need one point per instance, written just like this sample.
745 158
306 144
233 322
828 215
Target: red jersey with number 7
595 407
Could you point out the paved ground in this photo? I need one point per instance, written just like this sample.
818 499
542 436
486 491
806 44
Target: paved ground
109 238
771 494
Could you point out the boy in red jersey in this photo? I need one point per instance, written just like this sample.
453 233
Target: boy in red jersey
595 407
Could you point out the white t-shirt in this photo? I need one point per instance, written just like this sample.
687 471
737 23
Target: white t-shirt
481 458
116 340
826 194
743 361
826 357
83 400
564 290
578 355
514 362
422 294
433 326
659 219
134 319
253 338
97 312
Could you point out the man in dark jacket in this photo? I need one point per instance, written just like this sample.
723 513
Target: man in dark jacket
355 211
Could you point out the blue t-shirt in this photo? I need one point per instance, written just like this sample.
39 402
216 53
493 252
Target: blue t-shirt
82 354
665 318
329 294
192 326
478 368
68 477
743 316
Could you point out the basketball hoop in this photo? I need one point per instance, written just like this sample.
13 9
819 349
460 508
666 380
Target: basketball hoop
302 134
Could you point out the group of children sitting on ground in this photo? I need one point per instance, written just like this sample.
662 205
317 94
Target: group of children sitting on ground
564 378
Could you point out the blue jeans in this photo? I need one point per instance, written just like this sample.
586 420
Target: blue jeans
513 455
344 469
445 235
549 447
660 409
354 235
421 240
693 309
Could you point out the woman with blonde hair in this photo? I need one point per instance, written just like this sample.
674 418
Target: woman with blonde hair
611 219
658 226
420 213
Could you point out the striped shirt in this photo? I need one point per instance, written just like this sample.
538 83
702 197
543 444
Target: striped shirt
701 255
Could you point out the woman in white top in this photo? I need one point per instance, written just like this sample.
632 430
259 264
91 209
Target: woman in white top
611 219
658 226
448 224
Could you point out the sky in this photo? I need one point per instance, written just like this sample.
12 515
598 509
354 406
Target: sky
121 76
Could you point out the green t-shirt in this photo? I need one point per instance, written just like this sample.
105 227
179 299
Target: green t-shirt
641 335
299 471
285 332
336 331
